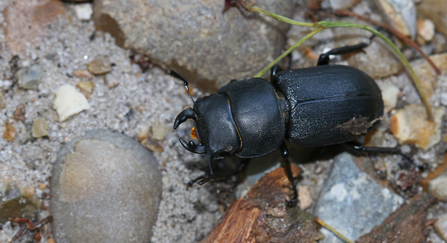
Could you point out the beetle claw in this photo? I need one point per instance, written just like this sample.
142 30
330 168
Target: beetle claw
185 115
192 147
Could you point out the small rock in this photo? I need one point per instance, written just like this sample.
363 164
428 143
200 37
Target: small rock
40 128
159 130
110 81
19 113
435 10
100 65
438 187
142 134
401 14
389 95
305 195
441 226
29 78
10 132
84 11
69 102
2 101
352 202
106 188
152 144
410 126
79 73
343 4
86 87
425 29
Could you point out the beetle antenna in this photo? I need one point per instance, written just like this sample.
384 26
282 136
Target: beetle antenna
177 76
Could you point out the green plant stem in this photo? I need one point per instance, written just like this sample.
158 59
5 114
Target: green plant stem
308 36
328 24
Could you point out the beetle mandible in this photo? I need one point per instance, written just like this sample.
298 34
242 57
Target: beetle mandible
317 106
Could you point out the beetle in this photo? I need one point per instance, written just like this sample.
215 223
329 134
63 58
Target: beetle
316 106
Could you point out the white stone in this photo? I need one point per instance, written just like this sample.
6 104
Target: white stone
389 95
438 187
441 226
84 11
426 29
69 102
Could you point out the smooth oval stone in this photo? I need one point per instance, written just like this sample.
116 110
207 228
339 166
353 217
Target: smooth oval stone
106 188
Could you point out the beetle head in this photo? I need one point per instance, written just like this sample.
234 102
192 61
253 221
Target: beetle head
214 126
186 114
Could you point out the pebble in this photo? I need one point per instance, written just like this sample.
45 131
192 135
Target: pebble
401 14
40 128
436 14
29 78
106 187
389 95
305 195
143 133
159 130
69 102
10 132
84 11
352 202
86 88
209 47
20 112
441 226
425 29
410 126
80 73
2 101
100 65
438 187
110 81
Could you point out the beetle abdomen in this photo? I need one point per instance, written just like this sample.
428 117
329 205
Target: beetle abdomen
329 104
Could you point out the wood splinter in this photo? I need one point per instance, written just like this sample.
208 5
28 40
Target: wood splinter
262 215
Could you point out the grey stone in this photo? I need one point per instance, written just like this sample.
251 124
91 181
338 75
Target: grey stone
195 38
106 188
352 202
29 78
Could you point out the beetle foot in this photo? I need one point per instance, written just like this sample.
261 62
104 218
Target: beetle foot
201 180
291 203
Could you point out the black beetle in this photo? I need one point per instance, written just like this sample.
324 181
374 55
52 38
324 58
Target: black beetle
315 106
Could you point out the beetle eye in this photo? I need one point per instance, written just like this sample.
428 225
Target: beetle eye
194 133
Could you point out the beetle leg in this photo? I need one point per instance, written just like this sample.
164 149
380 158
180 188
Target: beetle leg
201 180
192 147
288 171
324 58
360 148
